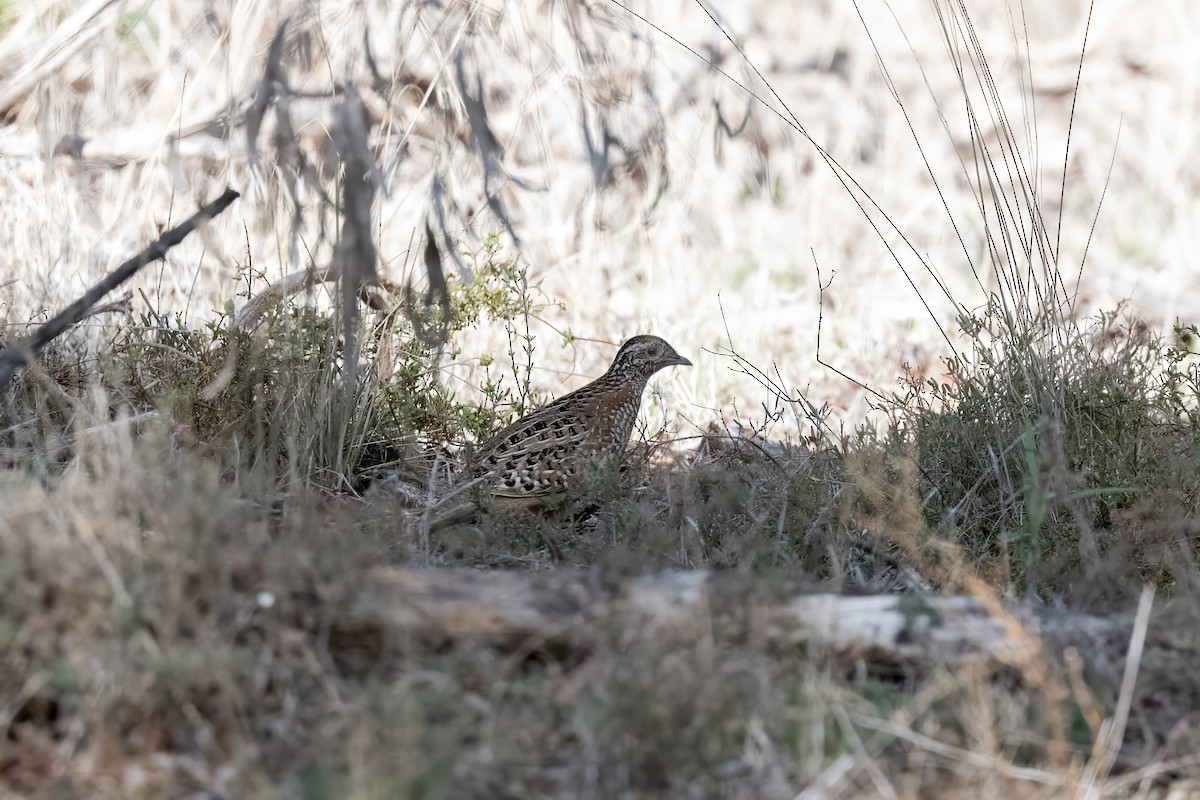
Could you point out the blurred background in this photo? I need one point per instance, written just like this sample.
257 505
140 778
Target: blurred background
652 172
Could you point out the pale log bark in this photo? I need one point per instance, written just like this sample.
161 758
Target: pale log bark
569 609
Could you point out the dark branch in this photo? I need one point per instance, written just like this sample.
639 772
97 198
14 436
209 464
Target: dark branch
17 355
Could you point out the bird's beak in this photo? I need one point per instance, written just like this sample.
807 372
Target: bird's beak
679 361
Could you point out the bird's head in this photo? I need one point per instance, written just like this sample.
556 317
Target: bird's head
645 355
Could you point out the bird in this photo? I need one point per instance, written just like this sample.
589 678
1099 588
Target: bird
545 454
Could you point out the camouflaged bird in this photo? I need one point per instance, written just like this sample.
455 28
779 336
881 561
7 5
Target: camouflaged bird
545 453
548 450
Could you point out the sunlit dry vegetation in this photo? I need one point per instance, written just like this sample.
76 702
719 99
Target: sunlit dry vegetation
921 520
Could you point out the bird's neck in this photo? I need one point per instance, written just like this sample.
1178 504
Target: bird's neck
633 379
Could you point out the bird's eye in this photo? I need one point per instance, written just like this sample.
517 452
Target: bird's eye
654 352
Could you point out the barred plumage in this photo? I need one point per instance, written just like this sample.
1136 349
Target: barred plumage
548 450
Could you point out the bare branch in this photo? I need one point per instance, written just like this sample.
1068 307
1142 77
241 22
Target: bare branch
21 353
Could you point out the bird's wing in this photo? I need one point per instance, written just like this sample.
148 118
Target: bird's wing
538 454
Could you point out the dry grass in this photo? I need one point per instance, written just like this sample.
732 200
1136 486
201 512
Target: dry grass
186 508
745 216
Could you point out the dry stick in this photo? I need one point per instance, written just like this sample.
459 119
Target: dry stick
21 353
74 32
981 760
1112 731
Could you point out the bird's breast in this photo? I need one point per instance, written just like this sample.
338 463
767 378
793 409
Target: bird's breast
620 412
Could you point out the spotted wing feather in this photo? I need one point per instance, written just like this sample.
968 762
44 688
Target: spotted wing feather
537 455
546 451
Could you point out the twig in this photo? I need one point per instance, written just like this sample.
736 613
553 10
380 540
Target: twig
249 314
21 353
1149 772
981 760
1112 731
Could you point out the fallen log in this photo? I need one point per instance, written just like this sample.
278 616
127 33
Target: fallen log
566 610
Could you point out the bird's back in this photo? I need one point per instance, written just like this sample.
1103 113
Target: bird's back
546 451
